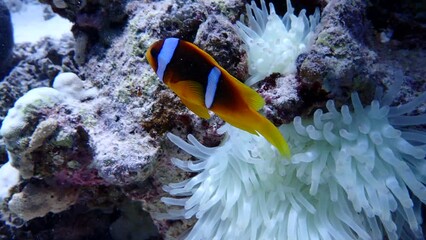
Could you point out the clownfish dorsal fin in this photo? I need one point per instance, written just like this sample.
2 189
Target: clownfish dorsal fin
250 96
192 95
198 50
253 98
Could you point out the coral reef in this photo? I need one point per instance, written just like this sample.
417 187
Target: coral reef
96 142
36 201
35 127
223 44
133 223
94 21
34 120
108 140
400 22
280 93
342 38
9 178
349 54
79 222
35 66
48 138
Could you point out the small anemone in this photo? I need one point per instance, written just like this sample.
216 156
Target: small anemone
353 175
273 43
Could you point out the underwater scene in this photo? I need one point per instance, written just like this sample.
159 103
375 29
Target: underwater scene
212 119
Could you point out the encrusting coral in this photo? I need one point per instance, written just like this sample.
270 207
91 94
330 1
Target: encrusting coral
273 43
9 177
33 128
353 175
20 130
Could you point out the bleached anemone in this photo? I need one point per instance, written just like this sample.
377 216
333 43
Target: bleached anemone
352 175
273 43
361 153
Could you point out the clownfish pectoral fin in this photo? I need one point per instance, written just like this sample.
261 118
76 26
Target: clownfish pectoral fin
191 94
199 110
189 90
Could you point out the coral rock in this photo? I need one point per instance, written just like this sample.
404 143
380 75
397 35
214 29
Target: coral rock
38 200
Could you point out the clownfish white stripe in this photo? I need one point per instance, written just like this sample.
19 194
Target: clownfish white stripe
212 82
166 55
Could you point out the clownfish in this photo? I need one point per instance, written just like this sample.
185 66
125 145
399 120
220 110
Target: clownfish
203 85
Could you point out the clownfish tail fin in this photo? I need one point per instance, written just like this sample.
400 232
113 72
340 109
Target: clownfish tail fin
268 130
254 123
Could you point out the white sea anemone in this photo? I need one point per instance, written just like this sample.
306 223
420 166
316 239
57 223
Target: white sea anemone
273 43
352 175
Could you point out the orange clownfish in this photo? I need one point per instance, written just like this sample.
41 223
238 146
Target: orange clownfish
203 85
